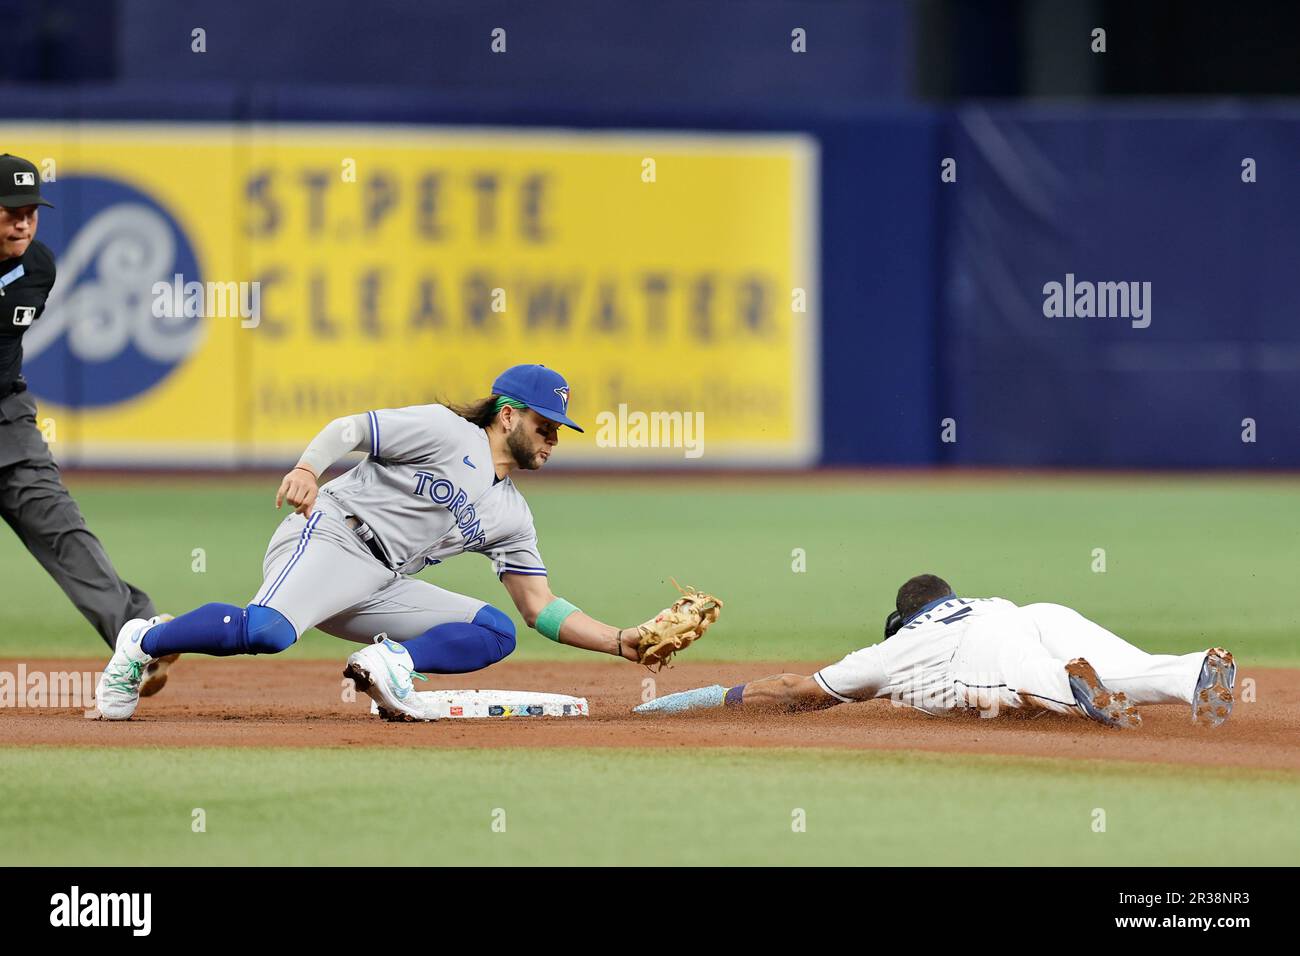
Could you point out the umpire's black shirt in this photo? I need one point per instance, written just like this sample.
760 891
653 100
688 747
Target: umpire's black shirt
22 300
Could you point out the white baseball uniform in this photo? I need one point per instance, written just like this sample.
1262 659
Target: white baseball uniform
986 653
426 492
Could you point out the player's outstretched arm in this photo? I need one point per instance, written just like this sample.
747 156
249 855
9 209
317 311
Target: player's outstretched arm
540 610
786 693
299 485
789 692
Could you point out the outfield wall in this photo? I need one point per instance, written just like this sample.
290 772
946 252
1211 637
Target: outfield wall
924 299
1156 195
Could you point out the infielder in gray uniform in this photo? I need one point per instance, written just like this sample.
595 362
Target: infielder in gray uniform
33 499
434 485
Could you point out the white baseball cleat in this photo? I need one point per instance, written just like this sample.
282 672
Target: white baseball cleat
118 692
384 671
1096 700
1212 699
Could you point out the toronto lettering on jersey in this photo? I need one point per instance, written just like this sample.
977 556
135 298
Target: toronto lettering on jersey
442 492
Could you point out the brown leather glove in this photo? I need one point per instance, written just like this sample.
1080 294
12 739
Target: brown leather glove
676 627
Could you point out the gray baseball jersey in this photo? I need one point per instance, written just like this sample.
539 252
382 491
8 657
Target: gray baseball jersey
429 492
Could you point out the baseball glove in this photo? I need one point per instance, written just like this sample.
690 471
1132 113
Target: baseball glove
677 627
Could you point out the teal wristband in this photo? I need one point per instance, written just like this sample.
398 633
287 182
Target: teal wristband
552 616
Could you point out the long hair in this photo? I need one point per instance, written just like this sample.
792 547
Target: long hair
481 412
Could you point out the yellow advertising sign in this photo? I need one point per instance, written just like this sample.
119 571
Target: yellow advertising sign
226 290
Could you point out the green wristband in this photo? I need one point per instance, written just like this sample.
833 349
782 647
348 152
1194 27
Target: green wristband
552 616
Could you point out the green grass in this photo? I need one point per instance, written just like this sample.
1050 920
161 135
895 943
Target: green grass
1189 562
437 807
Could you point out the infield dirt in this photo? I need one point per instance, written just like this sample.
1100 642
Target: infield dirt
238 703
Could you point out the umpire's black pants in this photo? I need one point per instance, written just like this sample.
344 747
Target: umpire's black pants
35 504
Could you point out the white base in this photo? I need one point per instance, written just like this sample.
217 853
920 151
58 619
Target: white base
496 704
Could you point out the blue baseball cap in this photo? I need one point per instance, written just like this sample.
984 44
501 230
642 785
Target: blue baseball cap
544 391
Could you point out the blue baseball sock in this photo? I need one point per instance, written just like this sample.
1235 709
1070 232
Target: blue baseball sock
221 630
459 648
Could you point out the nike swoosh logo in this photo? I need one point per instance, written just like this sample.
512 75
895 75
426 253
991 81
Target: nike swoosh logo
470 463
398 691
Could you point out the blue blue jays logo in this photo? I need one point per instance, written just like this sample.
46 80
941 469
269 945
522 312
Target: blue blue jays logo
98 342
563 392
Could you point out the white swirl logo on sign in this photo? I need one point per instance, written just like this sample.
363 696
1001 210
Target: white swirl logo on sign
99 341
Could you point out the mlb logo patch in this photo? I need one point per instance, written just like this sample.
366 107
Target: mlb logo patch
24 179
24 314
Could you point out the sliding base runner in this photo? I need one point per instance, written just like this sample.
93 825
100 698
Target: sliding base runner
443 704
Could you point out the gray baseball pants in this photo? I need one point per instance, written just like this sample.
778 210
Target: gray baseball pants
34 502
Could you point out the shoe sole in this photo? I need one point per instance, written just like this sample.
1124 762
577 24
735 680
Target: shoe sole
362 680
1106 707
1212 702
100 715
158 679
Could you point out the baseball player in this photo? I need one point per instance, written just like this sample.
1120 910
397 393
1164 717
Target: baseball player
33 499
943 653
435 484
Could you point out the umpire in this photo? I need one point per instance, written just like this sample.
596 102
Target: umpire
33 499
